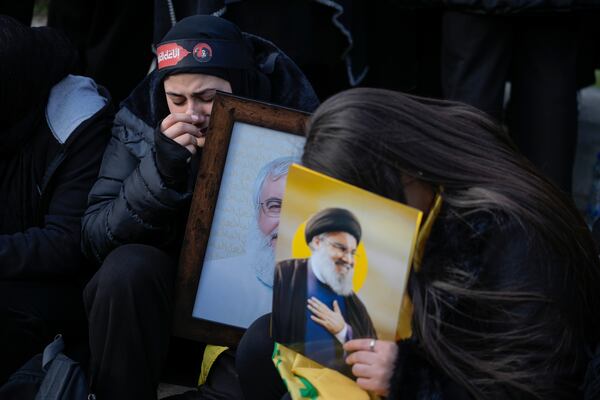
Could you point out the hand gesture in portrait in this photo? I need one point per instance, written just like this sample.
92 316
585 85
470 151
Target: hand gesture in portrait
372 363
185 129
332 320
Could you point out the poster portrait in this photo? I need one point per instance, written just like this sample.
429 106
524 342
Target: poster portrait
343 259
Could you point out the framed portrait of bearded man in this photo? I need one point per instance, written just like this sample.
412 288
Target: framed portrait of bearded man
225 276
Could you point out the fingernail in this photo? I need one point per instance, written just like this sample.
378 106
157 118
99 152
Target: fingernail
194 117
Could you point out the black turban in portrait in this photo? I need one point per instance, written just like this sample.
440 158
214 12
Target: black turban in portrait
332 220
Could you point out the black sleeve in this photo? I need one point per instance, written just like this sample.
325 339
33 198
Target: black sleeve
359 319
526 335
130 202
278 297
53 249
172 160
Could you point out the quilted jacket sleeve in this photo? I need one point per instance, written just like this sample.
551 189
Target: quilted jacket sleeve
130 203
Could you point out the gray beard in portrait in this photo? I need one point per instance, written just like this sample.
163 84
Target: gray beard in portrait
324 268
260 255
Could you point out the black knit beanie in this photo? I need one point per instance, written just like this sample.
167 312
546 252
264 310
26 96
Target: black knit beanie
213 46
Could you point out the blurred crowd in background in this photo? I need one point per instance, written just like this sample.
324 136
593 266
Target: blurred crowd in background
524 63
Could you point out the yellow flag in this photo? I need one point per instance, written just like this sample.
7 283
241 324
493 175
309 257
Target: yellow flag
307 380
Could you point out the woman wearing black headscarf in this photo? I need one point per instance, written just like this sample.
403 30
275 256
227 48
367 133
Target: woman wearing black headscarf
53 127
137 209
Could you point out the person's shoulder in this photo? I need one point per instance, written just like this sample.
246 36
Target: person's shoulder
130 129
138 115
290 87
292 263
146 101
291 269
73 101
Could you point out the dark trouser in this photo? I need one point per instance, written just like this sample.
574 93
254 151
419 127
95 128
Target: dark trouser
129 307
31 314
538 56
258 377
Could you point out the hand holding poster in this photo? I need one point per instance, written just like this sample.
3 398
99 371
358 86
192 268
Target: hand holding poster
343 258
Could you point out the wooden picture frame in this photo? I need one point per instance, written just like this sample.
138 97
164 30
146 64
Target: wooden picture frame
228 110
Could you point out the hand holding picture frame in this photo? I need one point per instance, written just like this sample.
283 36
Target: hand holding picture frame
226 264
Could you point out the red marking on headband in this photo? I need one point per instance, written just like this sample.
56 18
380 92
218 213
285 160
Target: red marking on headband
170 54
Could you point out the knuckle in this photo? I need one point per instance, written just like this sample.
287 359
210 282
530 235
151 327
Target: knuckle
172 130
169 120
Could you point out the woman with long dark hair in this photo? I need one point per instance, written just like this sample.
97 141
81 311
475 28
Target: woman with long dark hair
506 293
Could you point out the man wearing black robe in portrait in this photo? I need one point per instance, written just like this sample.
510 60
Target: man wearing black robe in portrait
314 308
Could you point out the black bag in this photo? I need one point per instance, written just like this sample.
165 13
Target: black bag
48 376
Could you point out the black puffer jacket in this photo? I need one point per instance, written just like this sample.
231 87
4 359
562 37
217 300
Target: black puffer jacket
542 331
45 182
130 202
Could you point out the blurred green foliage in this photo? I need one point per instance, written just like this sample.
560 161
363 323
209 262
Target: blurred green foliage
41 7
